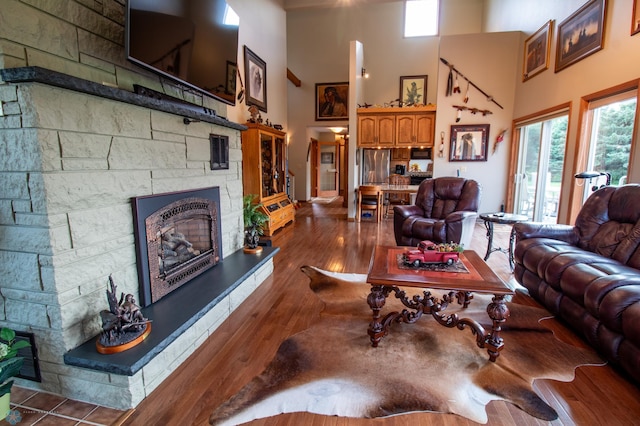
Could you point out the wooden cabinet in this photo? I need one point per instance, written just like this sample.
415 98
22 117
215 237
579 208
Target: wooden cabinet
401 154
396 127
376 130
264 173
415 129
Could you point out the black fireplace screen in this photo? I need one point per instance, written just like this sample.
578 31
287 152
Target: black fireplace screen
177 239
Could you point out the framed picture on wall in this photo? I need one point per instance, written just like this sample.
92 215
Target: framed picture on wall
326 157
581 34
255 75
413 90
635 18
537 51
332 101
230 84
469 143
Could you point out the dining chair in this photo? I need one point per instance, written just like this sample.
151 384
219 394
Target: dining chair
369 198
396 198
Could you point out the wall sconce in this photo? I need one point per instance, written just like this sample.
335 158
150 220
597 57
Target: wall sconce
365 74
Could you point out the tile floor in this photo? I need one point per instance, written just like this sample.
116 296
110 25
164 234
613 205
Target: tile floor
30 407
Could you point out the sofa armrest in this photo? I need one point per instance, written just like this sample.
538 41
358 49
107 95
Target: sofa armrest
461 216
407 211
460 226
560 232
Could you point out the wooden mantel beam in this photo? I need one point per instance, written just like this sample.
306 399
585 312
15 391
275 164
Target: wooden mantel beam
292 78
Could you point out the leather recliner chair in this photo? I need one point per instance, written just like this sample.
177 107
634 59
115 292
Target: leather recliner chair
445 211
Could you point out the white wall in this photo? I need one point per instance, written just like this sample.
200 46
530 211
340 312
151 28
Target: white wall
618 62
318 52
490 61
263 30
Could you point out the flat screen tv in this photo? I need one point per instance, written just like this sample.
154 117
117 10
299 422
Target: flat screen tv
193 42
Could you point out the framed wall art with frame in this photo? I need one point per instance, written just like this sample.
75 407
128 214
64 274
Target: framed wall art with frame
581 34
332 101
230 84
635 18
413 90
326 158
469 142
255 76
537 51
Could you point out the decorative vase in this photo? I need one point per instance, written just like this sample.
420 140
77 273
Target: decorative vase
4 405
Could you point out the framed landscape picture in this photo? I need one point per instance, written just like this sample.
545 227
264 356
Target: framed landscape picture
581 34
537 51
332 101
413 90
469 142
255 75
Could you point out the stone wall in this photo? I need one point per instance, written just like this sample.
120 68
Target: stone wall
69 164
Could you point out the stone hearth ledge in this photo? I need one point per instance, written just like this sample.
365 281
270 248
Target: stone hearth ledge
54 78
174 314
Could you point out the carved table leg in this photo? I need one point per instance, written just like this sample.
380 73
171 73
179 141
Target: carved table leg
498 312
464 298
512 239
489 226
376 300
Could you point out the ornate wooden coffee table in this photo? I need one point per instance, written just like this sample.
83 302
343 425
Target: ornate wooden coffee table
386 275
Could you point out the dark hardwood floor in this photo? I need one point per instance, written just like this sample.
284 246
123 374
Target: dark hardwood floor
321 236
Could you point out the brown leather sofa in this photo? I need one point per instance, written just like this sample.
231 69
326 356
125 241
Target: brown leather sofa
588 275
445 211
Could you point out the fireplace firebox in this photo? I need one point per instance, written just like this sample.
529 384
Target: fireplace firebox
177 238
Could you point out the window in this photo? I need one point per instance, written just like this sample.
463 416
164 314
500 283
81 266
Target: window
420 18
230 17
219 152
611 132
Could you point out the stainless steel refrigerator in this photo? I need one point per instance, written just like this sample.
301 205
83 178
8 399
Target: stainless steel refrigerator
375 166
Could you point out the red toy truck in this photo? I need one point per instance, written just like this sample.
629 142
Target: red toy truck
430 252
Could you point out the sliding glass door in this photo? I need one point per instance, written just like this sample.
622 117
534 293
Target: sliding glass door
538 177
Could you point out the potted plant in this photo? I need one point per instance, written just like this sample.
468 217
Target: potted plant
254 219
10 365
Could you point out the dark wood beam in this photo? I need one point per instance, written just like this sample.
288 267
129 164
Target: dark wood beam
292 78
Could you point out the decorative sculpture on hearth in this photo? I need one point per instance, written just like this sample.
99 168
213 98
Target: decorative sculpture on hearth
123 325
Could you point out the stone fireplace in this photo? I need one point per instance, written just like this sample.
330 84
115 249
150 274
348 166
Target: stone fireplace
74 155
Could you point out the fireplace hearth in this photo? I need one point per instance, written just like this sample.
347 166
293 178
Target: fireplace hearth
177 238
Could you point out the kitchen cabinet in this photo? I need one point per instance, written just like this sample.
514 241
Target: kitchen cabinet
264 174
396 127
376 130
401 154
415 129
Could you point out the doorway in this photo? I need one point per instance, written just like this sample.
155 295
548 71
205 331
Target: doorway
326 160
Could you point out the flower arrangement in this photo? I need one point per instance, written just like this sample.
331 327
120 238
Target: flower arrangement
10 364
449 247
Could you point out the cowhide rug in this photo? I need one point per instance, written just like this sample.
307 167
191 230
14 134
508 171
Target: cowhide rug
332 369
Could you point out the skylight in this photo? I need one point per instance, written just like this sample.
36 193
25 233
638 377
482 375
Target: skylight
231 17
420 18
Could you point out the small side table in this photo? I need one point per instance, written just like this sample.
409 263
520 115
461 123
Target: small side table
504 219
